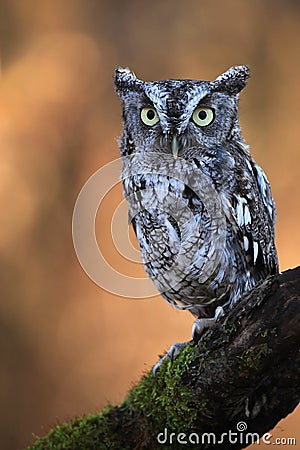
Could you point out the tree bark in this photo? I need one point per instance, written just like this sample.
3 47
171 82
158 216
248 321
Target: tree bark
242 377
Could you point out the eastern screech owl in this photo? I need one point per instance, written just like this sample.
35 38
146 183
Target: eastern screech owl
201 208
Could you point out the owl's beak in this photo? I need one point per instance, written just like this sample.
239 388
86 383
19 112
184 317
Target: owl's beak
175 146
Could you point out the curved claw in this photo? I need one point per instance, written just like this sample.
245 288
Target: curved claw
219 312
201 325
173 351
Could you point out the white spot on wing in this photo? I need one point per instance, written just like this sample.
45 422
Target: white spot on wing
246 243
243 216
247 217
255 251
239 213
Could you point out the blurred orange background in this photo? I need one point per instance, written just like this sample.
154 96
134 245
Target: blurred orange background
67 346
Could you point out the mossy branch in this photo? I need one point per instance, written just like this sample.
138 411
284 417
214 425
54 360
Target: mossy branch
245 370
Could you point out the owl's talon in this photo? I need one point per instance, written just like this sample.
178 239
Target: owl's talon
219 312
173 351
201 325
198 328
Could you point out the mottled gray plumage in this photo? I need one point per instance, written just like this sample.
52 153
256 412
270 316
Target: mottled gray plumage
201 207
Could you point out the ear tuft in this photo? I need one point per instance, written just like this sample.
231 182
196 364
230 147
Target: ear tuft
233 80
125 80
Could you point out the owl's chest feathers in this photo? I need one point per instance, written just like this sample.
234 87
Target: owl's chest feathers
168 217
154 187
179 200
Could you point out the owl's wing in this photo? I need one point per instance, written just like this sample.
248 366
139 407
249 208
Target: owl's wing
265 190
252 214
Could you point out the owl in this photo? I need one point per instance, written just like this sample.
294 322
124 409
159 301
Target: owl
200 206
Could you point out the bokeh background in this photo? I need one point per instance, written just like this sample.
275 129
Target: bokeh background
67 346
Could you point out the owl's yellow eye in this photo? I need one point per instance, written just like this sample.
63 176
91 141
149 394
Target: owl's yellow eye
203 116
149 116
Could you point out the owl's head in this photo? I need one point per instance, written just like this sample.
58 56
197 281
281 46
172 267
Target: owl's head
179 116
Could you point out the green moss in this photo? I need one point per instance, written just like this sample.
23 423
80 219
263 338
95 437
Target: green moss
90 433
266 332
165 400
254 356
230 328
